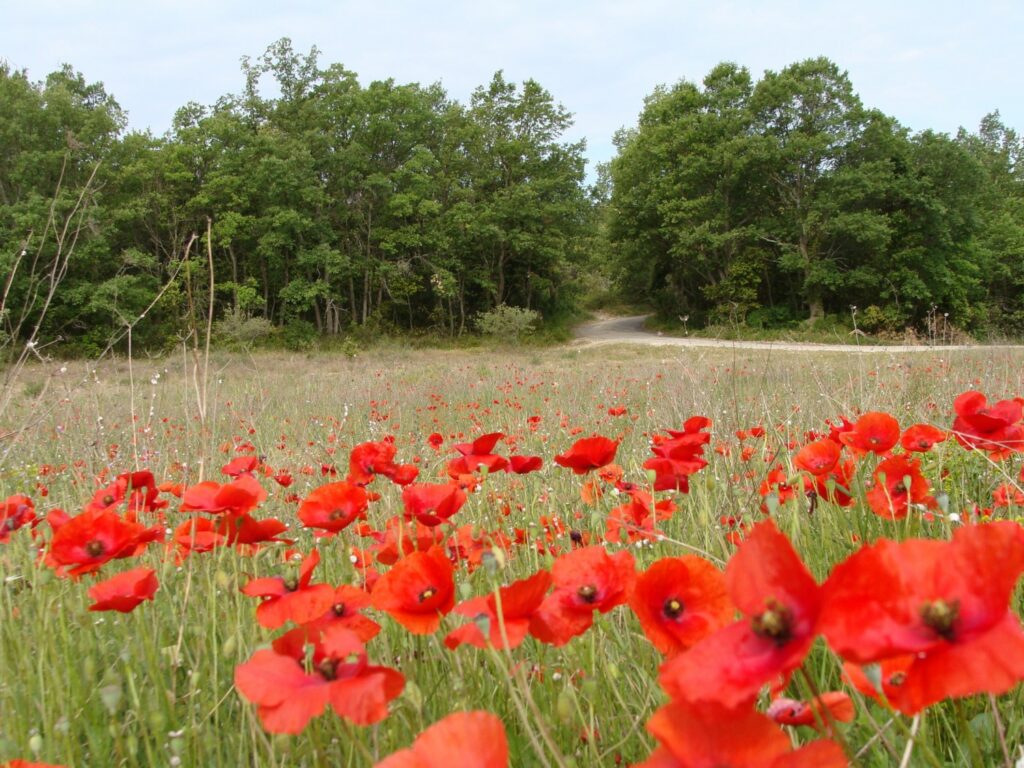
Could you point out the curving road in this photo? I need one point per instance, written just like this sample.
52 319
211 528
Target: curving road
630 330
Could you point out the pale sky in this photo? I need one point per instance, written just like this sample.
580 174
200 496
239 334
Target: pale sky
938 65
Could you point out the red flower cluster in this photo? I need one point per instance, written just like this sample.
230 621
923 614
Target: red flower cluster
289 694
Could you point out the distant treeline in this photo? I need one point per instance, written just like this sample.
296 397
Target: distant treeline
334 206
784 199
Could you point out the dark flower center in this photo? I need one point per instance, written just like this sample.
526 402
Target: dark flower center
291 583
673 608
107 500
336 514
339 609
427 593
587 593
897 678
775 623
940 617
576 536
328 669
95 548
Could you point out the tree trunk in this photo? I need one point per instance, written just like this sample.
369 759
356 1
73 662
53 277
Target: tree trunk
266 290
366 294
462 306
501 276
815 302
353 307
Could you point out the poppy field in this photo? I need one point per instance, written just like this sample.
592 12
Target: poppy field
472 559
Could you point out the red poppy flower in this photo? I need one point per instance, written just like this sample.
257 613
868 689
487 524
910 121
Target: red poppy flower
635 520
288 696
898 483
585 580
138 489
679 601
248 531
818 458
15 512
1007 495
417 591
691 737
368 460
874 432
200 535
921 438
345 612
334 506
87 541
293 598
238 497
947 602
679 455
17 763
834 486
461 740
400 538
470 545
432 503
775 482
835 430
240 465
832 706
124 591
476 454
523 465
774 590
995 429
588 454
518 602
890 673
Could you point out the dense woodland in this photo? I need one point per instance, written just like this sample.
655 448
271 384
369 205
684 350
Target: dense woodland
328 207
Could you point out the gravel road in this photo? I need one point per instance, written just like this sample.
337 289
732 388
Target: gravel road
630 330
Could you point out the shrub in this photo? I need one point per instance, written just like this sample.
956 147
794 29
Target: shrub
237 331
508 323
299 335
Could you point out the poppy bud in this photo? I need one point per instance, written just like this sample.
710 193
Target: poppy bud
564 706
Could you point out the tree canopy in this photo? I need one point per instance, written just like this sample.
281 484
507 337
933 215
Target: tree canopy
787 198
334 205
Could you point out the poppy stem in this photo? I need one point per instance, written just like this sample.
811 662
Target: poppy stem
972 744
909 750
1000 732
824 713
912 741
357 742
524 716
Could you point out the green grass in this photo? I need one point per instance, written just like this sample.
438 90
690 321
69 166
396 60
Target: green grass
154 687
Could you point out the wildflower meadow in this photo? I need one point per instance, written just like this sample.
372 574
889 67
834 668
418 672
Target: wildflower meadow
575 556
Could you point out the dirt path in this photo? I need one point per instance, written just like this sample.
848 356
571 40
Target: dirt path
630 330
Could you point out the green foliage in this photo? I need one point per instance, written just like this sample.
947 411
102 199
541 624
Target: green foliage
238 331
508 324
788 195
332 204
389 208
875 319
299 335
